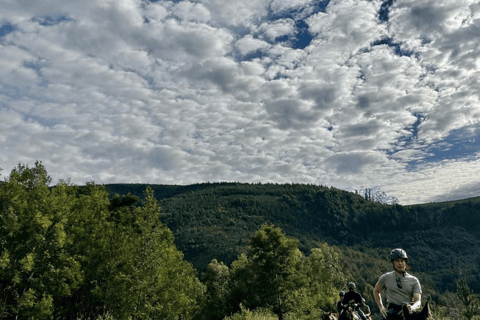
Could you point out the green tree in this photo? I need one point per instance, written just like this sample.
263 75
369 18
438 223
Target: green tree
218 289
35 268
323 277
145 275
469 304
67 252
275 259
30 178
241 282
277 276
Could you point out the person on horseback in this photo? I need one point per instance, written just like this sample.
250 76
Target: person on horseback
400 287
352 296
340 303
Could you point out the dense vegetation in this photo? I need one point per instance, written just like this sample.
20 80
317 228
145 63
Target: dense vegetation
260 250
69 252
215 220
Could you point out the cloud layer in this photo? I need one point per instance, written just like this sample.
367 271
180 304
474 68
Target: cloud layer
344 93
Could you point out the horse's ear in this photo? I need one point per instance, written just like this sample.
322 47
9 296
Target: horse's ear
405 312
426 311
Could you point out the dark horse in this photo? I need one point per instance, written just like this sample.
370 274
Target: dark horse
329 316
349 313
404 314
422 315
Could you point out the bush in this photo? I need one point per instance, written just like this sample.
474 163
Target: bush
257 314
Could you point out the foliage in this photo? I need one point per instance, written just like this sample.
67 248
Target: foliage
258 314
35 269
217 280
276 276
80 252
324 277
275 259
67 252
469 305
215 221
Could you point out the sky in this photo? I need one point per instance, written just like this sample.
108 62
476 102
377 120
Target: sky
352 94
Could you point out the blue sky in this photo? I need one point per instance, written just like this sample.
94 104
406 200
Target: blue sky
351 94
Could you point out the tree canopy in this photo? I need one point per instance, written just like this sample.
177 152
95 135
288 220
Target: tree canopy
68 252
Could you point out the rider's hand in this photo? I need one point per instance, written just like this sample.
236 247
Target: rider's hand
383 311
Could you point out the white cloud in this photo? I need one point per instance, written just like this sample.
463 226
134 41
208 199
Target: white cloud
279 28
347 26
440 182
283 5
189 11
236 13
131 91
249 44
155 11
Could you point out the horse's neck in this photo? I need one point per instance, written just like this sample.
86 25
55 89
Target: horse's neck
351 314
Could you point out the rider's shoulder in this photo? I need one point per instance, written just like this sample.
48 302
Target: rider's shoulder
410 276
388 274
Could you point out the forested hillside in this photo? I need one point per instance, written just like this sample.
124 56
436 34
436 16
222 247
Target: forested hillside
214 221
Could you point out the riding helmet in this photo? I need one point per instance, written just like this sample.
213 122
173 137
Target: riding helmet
398 253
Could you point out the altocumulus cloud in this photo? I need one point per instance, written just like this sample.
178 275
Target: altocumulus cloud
343 93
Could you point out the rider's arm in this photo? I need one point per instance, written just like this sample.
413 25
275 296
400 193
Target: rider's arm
378 299
417 302
358 299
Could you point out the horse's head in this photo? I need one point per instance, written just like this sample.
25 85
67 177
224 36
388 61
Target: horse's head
350 313
422 315
329 316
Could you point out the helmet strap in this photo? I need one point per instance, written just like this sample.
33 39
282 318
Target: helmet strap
400 272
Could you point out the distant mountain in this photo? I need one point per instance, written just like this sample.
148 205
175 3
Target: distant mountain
215 220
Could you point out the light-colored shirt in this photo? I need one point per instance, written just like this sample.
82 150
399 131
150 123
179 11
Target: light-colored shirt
410 285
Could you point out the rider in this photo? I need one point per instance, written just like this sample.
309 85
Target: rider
339 303
354 297
400 287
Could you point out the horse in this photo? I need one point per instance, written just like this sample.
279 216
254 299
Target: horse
349 313
366 310
422 315
329 316
425 314
368 316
